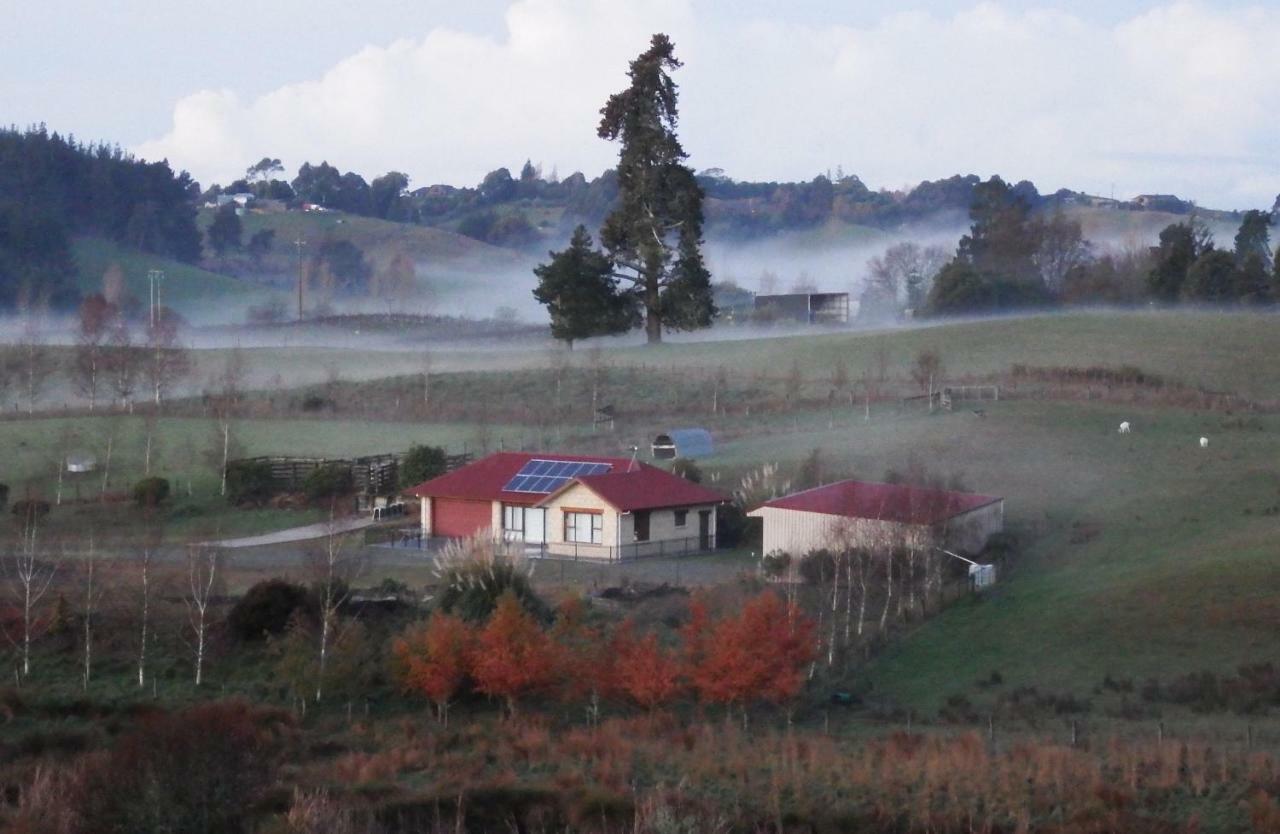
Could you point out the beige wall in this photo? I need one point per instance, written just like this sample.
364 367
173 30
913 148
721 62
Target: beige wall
662 524
582 498
797 532
968 533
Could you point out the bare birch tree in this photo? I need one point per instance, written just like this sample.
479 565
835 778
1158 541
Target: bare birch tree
203 562
92 595
36 363
110 429
144 561
29 580
94 326
150 444
123 360
226 408
719 386
332 566
166 359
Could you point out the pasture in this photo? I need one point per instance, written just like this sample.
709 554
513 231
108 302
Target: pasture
1140 555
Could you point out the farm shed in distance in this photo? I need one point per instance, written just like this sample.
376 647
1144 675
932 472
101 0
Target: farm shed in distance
808 307
683 443
864 514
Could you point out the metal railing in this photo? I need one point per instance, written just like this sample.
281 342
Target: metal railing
661 549
412 538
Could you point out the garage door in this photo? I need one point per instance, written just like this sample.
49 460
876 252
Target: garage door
457 517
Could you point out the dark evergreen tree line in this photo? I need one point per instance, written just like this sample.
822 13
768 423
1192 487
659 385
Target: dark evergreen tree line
53 187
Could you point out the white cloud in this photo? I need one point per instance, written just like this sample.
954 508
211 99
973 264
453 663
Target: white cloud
1179 98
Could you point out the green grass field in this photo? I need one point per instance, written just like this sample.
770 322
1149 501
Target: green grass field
1142 555
186 452
191 291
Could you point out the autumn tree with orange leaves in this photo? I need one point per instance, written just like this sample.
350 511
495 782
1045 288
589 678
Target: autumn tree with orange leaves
433 659
582 657
759 655
512 656
641 671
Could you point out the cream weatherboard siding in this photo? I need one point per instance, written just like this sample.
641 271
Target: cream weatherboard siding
969 532
798 532
662 524
579 497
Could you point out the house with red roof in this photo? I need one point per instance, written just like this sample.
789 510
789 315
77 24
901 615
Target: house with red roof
571 505
865 514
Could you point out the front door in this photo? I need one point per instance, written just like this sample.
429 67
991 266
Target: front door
642 525
704 529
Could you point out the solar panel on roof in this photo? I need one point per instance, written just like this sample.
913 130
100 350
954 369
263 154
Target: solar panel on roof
546 476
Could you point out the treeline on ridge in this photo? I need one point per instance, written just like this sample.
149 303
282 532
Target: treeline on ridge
54 187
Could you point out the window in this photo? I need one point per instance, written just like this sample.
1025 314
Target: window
682 517
584 528
512 519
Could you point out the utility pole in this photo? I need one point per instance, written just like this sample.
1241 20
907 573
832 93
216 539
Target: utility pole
154 277
299 243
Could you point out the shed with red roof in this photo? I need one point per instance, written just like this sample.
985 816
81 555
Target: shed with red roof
865 514
587 507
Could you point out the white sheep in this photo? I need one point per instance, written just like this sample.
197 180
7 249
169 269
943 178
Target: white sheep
1124 427
1204 443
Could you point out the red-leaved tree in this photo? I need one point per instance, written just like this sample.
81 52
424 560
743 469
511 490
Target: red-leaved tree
433 659
759 655
512 656
640 670
582 657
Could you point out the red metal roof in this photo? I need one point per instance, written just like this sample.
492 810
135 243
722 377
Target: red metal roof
885 502
643 487
648 488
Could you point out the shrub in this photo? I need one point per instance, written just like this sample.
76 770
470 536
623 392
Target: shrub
475 572
775 564
249 482
735 529
686 469
150 492
200 770
422 463
818 567
328 481
266 608
29 509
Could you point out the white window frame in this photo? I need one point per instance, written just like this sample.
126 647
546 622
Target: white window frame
578 524
512 515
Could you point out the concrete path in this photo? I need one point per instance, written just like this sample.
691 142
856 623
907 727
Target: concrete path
299 534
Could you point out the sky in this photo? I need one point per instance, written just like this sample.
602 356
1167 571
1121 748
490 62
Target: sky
1123 96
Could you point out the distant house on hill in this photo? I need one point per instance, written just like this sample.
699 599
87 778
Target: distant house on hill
864 514
1161 202
567 505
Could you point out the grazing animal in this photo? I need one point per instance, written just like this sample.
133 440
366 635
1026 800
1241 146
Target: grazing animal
1124 427
1204 443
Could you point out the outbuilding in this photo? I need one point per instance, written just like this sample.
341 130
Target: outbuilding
567 505
867 514
683 443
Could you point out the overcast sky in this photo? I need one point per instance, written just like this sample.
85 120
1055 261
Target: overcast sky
1135 95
